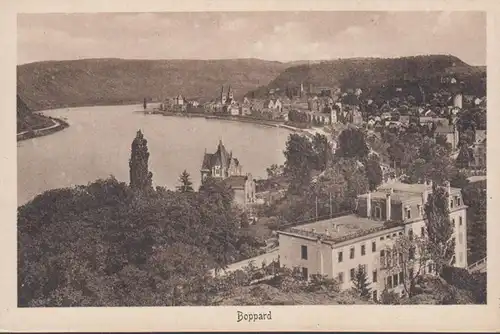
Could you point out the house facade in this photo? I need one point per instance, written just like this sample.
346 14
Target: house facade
222 165
336 247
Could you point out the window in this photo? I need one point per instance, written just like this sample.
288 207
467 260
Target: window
305 273
374 246
388 236
429 268
352 273
382 257
341 256
410 234
341 277
460 222
422 231
395 280
394 235
451 203
363 249
374 295
351 253
389 282
374 276
453 222
419 209
400 233
408 213
459 201
378 212
401 278
303 252
381 238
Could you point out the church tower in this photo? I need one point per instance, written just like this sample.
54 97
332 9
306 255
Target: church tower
230 94
222 96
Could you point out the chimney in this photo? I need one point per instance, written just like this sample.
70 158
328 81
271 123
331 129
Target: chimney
388 206
369 205
425 195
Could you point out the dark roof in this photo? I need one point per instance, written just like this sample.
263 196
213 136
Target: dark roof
220 157
236 181
207 161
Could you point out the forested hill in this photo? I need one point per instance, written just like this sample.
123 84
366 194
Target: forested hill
375 74
53 84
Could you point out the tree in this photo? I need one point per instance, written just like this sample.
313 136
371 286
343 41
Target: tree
439 228
465 157
373 172
352 144
273 171
300 161
407 260
186 184
360 283
474 196
323 151
357 182
140 177
145 104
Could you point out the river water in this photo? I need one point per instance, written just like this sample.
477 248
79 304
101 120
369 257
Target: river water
97 145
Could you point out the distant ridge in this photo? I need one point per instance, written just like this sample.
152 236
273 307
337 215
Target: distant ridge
57 84
375 75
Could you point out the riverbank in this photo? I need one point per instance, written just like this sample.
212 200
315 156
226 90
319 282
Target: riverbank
58 125
242 119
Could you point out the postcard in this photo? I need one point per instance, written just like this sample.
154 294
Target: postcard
258 165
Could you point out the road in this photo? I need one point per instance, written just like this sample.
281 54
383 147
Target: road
56 124
257 261
476 178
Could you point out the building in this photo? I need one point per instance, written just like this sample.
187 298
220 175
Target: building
336 247
222 165
479 150
243 187
449 131
273 104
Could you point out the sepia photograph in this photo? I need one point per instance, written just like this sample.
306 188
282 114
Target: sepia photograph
158 166
249 161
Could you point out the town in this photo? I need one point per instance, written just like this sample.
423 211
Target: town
316 159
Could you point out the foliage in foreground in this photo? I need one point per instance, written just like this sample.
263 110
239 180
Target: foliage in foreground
106 245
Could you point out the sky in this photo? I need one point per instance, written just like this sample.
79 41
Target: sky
281 36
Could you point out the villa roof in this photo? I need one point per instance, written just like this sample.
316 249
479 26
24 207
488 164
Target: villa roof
221 157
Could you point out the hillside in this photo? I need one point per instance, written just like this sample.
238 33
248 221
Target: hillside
26 120
372 75
54 84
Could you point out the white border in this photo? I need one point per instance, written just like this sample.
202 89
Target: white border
290 318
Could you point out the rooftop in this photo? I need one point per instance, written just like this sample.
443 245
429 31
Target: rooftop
395 196
338 229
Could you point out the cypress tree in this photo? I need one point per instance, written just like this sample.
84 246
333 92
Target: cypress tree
140 176
361 284
186 184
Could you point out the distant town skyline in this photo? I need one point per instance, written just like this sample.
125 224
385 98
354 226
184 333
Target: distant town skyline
278 36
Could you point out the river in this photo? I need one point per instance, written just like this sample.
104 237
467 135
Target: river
97 145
